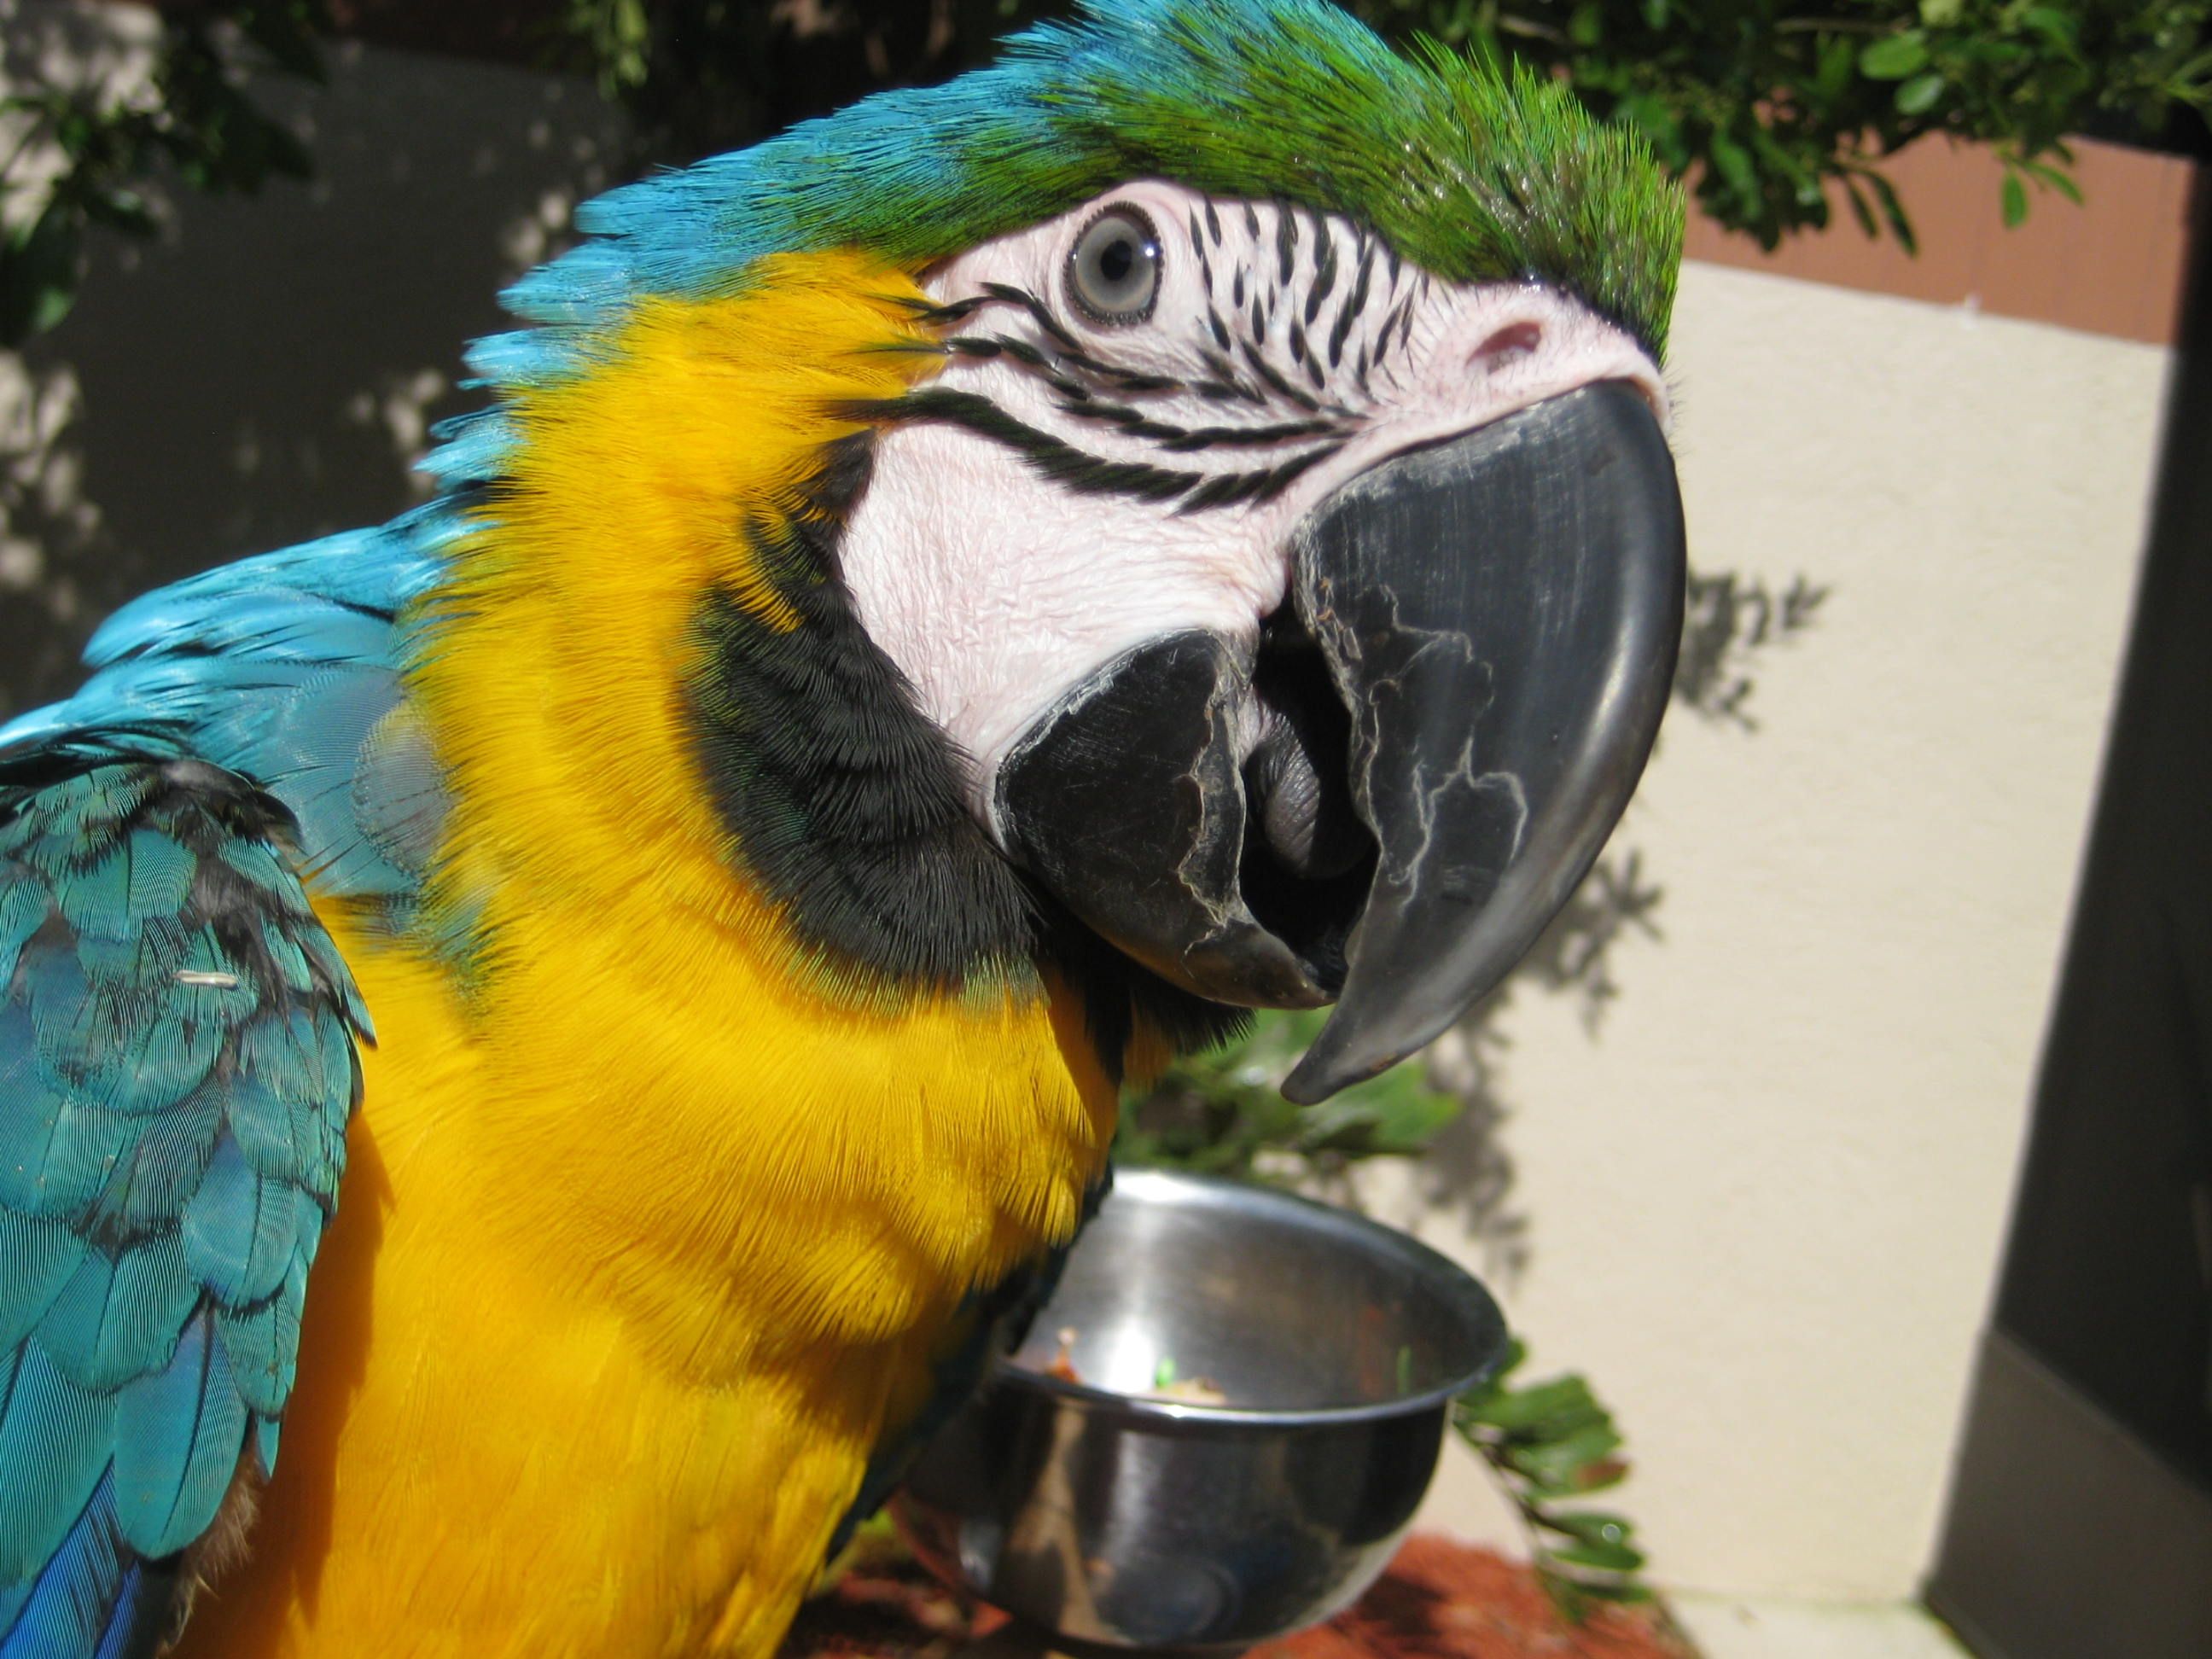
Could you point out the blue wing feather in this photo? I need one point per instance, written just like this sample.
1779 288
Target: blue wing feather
68 1607
177 1071
179 1435
283 669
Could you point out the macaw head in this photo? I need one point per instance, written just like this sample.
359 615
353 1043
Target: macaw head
1280 537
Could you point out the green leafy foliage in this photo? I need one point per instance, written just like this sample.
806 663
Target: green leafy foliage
1223 1113
1779 114
1550 1444
194 117
1775 111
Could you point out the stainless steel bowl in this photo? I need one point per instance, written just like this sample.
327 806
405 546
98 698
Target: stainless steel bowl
1102 1512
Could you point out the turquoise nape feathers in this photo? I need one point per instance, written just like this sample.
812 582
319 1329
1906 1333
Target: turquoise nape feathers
938 613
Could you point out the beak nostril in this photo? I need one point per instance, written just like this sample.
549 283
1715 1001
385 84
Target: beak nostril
1506 347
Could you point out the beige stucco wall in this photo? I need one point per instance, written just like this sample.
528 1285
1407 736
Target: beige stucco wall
1764 1207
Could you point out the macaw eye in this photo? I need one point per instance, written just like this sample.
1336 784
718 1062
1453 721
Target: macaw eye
1114 272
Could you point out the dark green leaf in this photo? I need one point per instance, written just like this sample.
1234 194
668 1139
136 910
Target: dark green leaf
120 209
1628 1594
2057 178
1860 210
1894 57
2013 197
286 31
38 271
1519 1408
1590 1526
1560 1463
1734 165
1603 1558
1577 1483
2053 25
1565 1593
1919 96
76 132
1892 210
1833 77
1658 124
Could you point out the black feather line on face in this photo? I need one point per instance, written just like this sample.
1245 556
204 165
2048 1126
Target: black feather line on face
1077 374
1182 441
1038 310
1058 460
1225 381
843 800
1274 380
1324 273
1354 304
1088 474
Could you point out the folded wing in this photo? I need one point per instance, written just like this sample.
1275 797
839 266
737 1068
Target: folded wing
177 1072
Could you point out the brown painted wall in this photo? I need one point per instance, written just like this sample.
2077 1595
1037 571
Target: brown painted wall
2111 266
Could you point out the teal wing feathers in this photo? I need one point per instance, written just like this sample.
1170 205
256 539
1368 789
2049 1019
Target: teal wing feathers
177 1071
285 669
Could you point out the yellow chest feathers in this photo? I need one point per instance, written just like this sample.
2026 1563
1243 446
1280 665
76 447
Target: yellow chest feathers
746 1123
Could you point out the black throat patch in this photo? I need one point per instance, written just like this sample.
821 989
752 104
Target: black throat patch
844 800
843 797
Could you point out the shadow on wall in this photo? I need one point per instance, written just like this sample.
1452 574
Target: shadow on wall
266 371
1729 621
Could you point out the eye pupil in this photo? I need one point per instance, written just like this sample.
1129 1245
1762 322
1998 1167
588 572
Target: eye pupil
1113 269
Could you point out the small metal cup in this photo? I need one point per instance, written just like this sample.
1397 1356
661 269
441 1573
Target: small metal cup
1109 1510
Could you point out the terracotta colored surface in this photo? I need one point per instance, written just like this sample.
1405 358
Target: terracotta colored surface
2111 266
1445 1600
1440 1600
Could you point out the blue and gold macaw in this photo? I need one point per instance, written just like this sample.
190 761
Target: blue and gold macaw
940 610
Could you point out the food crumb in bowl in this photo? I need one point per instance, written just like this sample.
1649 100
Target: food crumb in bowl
1062 1367
1191 1391
1166 1383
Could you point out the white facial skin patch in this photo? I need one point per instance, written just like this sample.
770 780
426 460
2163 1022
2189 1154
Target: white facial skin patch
1096 482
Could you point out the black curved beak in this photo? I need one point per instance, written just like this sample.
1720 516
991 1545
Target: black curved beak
1387 806
1501 614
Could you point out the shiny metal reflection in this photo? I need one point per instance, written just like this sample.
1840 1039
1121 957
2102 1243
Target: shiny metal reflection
1104 1515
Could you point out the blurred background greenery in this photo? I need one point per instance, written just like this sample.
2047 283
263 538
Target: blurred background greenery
1779 115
